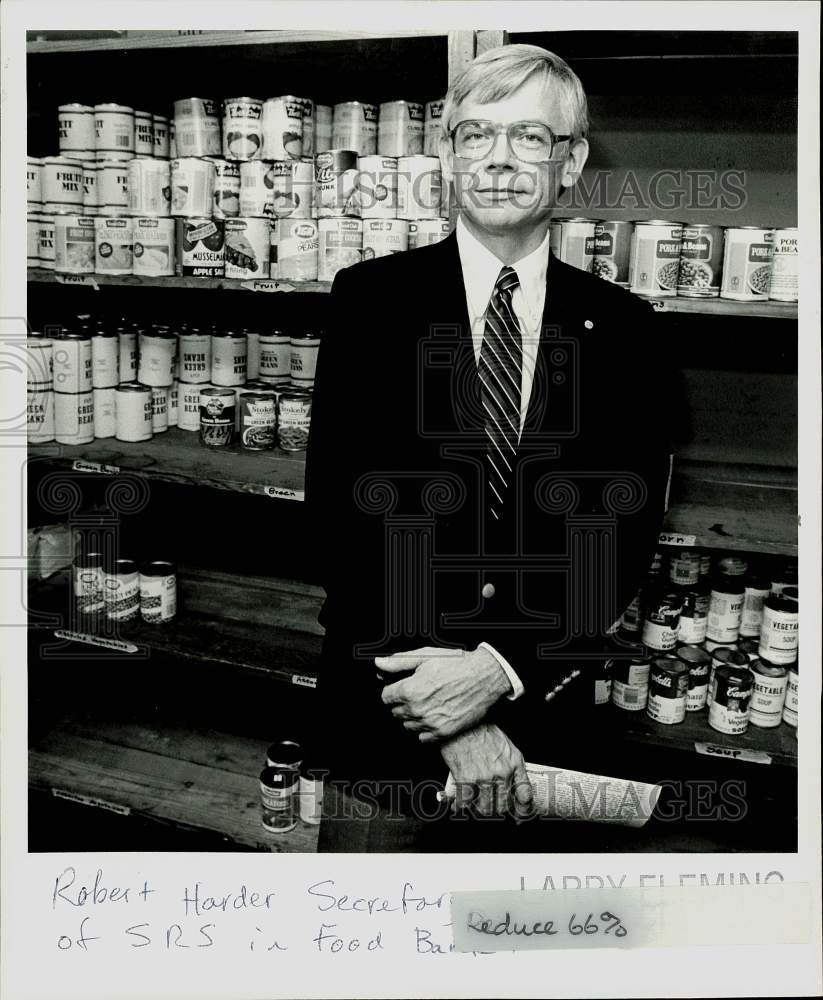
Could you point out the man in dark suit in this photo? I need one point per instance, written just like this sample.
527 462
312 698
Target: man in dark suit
487 469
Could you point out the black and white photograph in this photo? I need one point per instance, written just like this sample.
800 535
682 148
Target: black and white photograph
412 461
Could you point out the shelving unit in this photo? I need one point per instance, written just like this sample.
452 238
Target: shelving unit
673 107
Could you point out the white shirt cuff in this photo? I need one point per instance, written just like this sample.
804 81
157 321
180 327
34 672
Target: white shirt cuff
514 680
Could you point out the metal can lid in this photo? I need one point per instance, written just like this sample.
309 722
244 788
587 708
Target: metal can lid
693 656
233 334
216 390
76 107
238 100
658 222
120 567
730 657
255 395
767 669
285 753
293 392
67 334
134 387
89 560
158 567
668 665
740 675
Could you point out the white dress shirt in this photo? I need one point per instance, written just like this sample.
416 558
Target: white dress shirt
481 269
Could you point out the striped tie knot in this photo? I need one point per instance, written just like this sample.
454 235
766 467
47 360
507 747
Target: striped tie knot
507 280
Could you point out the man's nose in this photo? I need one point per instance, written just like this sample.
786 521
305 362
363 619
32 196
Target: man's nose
500 155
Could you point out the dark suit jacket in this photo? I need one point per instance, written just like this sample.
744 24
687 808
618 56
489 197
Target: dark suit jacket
395 487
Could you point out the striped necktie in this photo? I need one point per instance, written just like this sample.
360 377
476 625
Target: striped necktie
501 362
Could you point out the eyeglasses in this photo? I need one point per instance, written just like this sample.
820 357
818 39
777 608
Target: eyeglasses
531 142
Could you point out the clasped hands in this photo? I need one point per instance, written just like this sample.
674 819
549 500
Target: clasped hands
445 700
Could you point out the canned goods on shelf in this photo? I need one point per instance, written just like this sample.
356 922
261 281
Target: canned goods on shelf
188 406
74 244
725 609
247 248
105 413
654 261
295 253
90 196
668 690
275 358
661 619
426 231
323 115
158 592
768 693
724 656
127 354
229 356
159 409
294 419
573 241
46 248
400 129
419 188
74 417
33 239
34 184
75 124
308 128
611 251
630 683
143 135
114 131
196 127
354 127
39 363
160 136
257 180
226 198
278 795
731 692
242 128
340 244
192 187
431 127
217 416
303 351
335 183
382 237
757 589
784 282
149 181
156 358
113 186
154 247
200 248
780 628
194 350
698 663
72 361
121 589
747 263
105 359
258 420
113 245
87 583
174 403
133 412
283 128
62 182
790 707
293 195
701 261
40 416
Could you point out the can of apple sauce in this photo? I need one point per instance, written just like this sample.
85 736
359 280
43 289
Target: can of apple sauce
200 247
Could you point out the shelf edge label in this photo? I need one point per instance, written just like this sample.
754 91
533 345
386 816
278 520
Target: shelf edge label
733 753
87 800
95 640
673 538
79 465
267 285
304 680
284 492
77 279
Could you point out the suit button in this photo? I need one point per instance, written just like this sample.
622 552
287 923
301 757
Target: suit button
488 590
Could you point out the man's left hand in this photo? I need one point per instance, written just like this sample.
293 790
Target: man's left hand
450 690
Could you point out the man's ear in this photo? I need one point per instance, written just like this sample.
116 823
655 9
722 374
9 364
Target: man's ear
446 159
575 161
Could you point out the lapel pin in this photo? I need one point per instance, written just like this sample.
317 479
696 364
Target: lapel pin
588 324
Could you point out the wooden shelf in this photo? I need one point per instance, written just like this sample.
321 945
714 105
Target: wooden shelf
733 507
703 307
196 779
779 743
178 457
39 276
262 627
211 39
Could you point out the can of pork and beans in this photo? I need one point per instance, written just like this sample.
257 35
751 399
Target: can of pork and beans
612 245
747 264
654 263
701 262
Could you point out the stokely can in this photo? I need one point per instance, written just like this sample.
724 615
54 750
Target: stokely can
105 413
160 136
229 355
400 129
247 248
731 692
278 797
90 197
780 630
121 589
114 131
226 189
382 237
159 410
283 128
630 683
87 583
426 231
105 359
113 245
46 241
154 247
431 128
377 187
698 662
654 260
724 656
572 241
73 244
113 186
747 263
242 128
304 349
275 358
149 186
323 115
790 707
75 123
34 183
39 363
354 126
784 278
200 248
768 694
127 354
133 412
701 262
143 134
62 182
188 406
661 620
419 184
192 187
294 419
196 127
158 592
40 416
217 416
156 364
194 349
258 419
612 249
74 417
335 183
668 689
340 244
296 257
257 188
71 360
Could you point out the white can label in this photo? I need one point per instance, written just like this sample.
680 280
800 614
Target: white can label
790 707
752 615
631 697
659 637
122 595
158 598
667 711
725 611
779 636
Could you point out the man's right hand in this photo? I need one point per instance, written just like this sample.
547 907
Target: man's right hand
489 772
